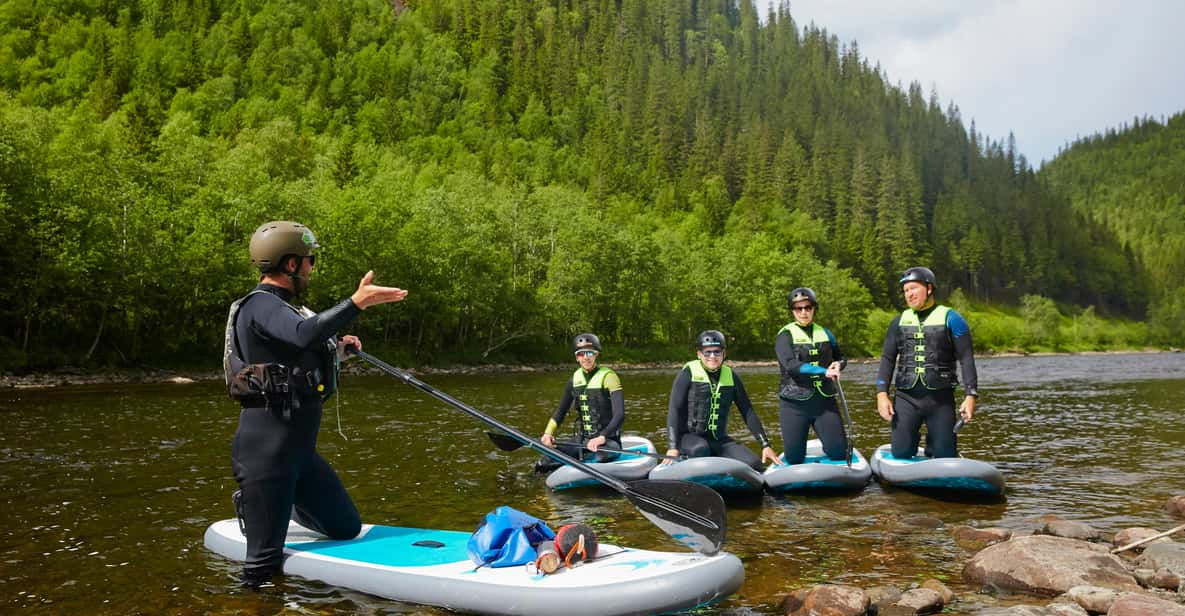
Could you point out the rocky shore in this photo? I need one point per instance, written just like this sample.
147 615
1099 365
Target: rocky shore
1056 568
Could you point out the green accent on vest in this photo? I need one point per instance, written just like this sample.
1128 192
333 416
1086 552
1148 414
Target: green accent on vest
922 353
700 375
799 340
592 400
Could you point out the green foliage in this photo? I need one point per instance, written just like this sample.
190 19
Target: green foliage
527 170
1041 318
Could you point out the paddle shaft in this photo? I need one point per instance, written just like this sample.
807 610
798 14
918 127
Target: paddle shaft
657 456
847 417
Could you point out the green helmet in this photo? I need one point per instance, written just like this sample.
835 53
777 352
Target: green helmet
275 240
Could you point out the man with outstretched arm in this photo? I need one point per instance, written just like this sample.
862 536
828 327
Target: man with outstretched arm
281 363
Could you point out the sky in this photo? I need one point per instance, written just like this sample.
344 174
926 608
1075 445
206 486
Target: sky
1048 71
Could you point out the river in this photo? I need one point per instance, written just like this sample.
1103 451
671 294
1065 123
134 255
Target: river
108 489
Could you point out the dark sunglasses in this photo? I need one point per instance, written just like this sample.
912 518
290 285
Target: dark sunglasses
714 353
586 353
806 308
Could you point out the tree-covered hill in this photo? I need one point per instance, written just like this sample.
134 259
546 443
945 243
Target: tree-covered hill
527 168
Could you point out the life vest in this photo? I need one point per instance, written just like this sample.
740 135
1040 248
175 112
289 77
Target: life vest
258 383
708 404
815 350
592 402
925 351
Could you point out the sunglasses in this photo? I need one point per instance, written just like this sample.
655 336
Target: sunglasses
806 308
713 353
586 353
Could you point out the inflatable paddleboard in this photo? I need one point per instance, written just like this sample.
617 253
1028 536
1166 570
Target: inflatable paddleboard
721 474
818 472
954 474
625 467
432 567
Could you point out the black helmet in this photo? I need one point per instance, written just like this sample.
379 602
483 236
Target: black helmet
709 337
918 274
801 293
586 341
275 240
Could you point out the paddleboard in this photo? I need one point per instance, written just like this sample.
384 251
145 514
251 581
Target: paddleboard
719 473
625 467
953 474
818 472
432 567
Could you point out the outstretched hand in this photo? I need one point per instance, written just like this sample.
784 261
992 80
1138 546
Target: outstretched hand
369 294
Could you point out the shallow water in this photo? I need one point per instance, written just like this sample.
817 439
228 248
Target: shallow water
108 489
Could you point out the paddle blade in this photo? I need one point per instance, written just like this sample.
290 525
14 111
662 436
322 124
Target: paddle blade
691 513
505 442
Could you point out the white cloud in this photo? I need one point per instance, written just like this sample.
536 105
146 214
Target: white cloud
1048 71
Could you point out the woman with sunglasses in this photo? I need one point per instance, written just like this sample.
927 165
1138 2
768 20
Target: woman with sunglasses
701 397
595 392
809 359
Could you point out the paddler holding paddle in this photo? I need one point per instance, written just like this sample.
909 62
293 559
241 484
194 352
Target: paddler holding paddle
697 413
281 363
809 362
921 346
595 392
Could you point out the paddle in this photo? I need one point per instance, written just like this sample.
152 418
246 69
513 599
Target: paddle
847 417
959 425
509 443
691 513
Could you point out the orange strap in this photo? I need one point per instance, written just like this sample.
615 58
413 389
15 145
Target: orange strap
577 547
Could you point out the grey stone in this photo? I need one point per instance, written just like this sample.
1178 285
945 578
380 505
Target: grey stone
1044 565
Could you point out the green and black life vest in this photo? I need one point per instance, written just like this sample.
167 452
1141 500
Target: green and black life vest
925 351
592 402
708 404
814 349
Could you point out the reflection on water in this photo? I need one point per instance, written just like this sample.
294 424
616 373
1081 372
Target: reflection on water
107 490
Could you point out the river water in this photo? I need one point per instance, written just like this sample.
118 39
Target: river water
107 490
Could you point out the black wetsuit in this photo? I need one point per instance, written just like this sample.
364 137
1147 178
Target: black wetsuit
919 404
274 458
611 430
696 445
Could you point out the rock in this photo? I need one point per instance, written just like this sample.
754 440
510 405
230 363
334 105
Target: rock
947 594
828 600
1092 598
1070 530
1139 604
1047 566
1065 609
1176 506
1165 579
1168 555
1021 610
976 539
1131 535
883 595
913 601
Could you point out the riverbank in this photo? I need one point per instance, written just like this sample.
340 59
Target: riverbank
150 375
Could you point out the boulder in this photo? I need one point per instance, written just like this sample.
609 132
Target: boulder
1045 565
913 601
1170 555
1092 598
976 539
1138 604
826 600
1070 530
1055 609
947 594
1131 535
883 595
1176 506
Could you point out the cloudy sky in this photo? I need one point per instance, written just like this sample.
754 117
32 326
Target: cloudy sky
1048 71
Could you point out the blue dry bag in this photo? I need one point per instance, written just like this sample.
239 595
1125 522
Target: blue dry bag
506 538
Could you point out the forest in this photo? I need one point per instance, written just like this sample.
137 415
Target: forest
530 169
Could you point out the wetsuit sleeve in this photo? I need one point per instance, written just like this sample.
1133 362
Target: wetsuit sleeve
745 406
617 404
677 408
884 373
789 361
565 403
837 354
279 323
960 333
